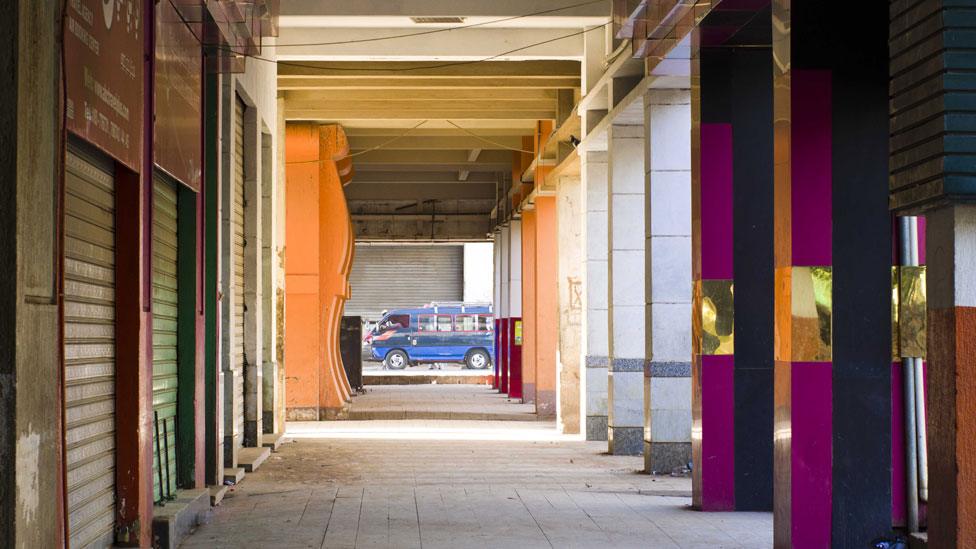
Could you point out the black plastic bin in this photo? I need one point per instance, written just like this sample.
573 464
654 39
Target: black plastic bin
351 349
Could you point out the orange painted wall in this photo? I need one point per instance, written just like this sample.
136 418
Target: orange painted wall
547 305
318 259
528 306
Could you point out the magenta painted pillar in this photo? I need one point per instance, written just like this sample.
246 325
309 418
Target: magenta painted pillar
713 405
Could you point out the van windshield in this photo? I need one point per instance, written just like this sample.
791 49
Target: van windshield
393 322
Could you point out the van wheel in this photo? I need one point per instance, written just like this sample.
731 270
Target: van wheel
477 360
396 360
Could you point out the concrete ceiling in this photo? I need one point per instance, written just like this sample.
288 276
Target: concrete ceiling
441 115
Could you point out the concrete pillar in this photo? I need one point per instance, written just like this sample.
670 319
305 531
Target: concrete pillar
732 375
503 312
569 220
547 307
628 305
514 358
30 410
230 297
497 305
832 378
951 244
596 351
667 383
254 278
529 286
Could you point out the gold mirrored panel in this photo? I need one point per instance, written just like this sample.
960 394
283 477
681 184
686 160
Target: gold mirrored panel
812 314
717 317
911 311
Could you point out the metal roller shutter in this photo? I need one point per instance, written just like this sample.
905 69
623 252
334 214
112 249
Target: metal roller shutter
164 253
389 277
237 224
89 348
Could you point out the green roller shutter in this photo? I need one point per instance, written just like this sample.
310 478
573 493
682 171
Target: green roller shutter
237 224
164 308
89 349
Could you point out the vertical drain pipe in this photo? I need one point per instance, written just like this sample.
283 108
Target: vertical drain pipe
908 372
921 446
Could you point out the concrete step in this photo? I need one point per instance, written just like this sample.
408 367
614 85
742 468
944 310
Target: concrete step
427 379
252 458
174 520
234 476
363 415
217 494
272 440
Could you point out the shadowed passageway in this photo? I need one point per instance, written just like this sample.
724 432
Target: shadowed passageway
462 484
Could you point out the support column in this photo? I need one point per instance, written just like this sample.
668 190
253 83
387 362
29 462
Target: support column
569 218
932 172
593 168
503 327
832 380
667 377
496 298
514 359
254 277
951 244
529 288
31 439
628 304
547 307
733 247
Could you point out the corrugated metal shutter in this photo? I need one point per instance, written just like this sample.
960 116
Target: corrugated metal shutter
237 223
89 349
164 334
389 277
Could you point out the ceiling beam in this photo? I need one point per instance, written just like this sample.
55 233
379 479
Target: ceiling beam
421 177
420 106
418 143
428 83
330 114
410 70
432 96
293 11
359 190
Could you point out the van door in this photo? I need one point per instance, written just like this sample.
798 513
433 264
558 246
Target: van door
393 332
434 338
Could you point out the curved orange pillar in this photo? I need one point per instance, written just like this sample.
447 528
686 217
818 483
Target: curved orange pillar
318 260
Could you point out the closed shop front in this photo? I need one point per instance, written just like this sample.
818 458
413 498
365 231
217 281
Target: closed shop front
89 347
237 234
391 277
165 320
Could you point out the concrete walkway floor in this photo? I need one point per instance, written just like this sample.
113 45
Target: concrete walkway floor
457 484
461 402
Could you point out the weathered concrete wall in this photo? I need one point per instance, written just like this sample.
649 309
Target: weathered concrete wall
569 219
29 365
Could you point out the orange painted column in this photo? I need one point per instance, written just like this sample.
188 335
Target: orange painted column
528 306
547 306
318 259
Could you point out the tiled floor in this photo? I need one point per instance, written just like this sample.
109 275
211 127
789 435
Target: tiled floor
463 402
462 484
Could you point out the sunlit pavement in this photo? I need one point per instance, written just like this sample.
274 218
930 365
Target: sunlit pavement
462 484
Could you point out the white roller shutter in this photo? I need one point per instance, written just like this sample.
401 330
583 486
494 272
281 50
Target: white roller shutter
89 349
237 224
390 277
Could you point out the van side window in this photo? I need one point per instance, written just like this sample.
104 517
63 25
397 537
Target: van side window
435 323
466 323
485 323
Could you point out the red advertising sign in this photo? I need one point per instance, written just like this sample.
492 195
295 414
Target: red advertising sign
177 132
103 54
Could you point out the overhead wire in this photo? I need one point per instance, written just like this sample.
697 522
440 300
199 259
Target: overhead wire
439 30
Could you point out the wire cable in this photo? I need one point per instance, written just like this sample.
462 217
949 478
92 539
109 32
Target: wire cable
371 149
438 30
489 141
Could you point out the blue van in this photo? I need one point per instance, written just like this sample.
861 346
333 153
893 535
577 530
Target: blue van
434 333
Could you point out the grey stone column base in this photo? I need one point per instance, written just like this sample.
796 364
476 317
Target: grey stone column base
664 457
596 428
626 441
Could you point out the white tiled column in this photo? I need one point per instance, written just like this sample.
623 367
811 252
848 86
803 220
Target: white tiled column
628 307
596 319
667 381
